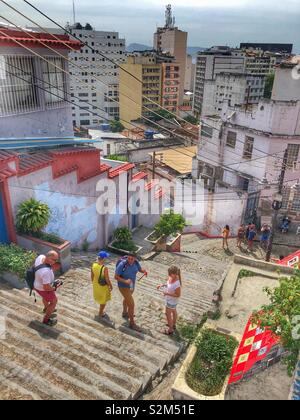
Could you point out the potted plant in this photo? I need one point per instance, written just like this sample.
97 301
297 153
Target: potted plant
167 232
14 262
32 218
123 242
205 372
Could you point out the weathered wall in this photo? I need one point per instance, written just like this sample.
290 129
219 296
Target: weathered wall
74 216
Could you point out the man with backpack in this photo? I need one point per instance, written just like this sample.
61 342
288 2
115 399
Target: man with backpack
44 284
126 272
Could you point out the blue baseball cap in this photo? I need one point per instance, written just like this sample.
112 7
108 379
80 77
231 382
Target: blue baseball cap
103 255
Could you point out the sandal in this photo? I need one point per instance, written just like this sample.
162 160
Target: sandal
134 327
168 332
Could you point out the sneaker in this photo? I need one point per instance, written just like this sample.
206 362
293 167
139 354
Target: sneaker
50 322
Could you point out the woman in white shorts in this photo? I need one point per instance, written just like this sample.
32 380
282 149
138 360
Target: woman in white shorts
172 293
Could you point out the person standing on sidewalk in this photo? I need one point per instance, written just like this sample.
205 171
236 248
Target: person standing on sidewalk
241 235
43 284
225 234
126 273
102 286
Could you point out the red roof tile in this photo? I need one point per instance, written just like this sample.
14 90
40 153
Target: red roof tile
37 38
34 162
123 168
138 176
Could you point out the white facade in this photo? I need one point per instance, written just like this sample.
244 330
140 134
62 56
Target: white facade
287 82
236 89
95 96
238 149
219 60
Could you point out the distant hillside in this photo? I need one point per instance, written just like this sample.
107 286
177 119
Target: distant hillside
138 47
141 47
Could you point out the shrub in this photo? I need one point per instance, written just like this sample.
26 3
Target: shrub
32 216
281 316
212 362
123 239
170 224
48 237
15 260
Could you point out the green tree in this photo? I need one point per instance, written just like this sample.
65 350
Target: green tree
116 126
192 120
33 216
269 85
160 114
282 316
170 224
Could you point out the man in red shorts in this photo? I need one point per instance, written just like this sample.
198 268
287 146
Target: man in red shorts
44 278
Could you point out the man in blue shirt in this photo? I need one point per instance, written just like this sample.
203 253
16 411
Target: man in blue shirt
126 274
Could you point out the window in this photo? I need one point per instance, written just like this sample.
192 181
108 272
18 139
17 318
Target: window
231 139
296 200
292 155
84 122
285 198
206 131
248 148
54 79
18 91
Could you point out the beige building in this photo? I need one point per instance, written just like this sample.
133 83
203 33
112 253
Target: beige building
173 41
140 86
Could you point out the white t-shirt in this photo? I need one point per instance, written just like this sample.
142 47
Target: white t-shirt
43 276
172 287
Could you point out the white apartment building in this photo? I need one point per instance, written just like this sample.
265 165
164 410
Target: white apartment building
214 61
237 150
89 93
236 89
218 60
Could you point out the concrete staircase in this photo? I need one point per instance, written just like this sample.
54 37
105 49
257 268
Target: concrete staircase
82 358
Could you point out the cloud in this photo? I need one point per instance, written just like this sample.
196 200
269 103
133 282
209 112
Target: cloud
208 22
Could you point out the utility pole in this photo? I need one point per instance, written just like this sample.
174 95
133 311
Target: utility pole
153 165
276 205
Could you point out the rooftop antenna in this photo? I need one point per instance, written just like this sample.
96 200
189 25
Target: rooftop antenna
170 21
74 13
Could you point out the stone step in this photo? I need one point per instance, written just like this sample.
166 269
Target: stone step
71 357
86 323
81 349
35 384
133 349
55 370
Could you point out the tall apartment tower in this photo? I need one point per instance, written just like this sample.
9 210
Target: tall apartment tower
97 95
209 64
148 80
173 41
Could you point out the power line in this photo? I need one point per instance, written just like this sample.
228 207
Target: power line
111 99
102 55
68 46
224 166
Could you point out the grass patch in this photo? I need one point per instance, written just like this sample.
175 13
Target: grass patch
16 260
189 332
126 246
48 237
245 273
212 362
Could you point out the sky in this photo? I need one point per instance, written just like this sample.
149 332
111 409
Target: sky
208 22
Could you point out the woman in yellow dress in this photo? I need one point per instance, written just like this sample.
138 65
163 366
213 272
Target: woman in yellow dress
101 283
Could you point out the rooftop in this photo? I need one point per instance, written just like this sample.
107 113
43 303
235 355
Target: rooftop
180 159
35 39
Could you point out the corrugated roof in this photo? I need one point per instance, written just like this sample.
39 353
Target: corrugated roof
180 159
38 38
123 168
14 144
34 161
